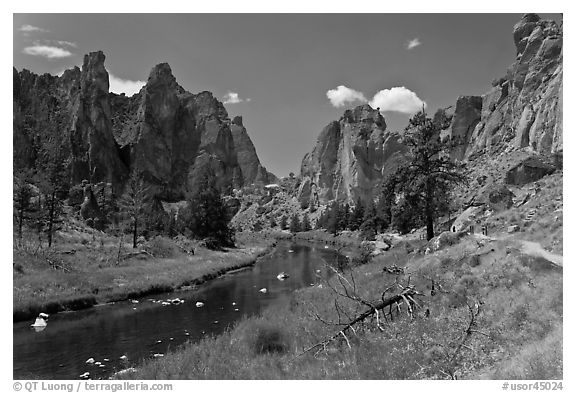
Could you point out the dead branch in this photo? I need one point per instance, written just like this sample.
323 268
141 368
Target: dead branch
373 308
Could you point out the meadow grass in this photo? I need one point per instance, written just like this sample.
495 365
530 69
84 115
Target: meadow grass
91 276
520 324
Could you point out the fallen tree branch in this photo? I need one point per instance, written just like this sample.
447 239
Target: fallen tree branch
373 308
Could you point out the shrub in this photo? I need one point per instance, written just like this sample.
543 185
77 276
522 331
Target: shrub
365 255
160 247
264 337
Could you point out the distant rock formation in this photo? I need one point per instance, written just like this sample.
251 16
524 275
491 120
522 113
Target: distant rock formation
350 159
524 108
252 169
167 133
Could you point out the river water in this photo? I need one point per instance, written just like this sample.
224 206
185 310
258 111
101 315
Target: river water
138 331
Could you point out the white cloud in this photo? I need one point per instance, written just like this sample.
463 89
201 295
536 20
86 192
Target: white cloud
397 99
50 52
30 28
343 95
413 43
67 43
234 98
128 87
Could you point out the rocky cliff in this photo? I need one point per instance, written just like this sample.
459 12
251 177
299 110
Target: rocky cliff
524 108
252 169
350 158
167 133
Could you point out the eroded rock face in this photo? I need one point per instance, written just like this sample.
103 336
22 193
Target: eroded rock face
252 169
524 108
172 136
167 133
350 158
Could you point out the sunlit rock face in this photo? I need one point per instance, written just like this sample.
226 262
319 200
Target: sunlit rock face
252 169
350 158
524 108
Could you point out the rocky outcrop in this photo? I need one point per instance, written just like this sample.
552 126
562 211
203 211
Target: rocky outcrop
252 169
67 117
170 135
524 108
528 171
350 158
94 150
466 116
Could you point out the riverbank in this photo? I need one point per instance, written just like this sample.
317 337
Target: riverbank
515 300
80 273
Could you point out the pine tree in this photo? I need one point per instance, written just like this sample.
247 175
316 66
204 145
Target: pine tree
54 186
306 223
284 223
22 195
423 183
333 218
357 216
369 226
206 215
295 223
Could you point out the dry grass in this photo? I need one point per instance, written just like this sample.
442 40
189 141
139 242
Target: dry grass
520 319
92 276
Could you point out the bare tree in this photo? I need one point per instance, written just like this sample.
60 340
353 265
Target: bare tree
133 203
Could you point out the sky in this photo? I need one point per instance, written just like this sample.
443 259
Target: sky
288 75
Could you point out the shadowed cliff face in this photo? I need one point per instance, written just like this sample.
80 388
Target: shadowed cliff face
68 115
524 108
349 159
167 133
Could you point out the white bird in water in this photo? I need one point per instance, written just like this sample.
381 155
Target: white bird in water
85 375
90 361
199 304
123 357
282 276
263 290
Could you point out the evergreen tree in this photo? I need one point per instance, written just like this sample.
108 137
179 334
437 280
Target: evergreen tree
22 194
53 184
332 223
206 215
357 216
343 217
284 223
306 223
423 183
369 226
133 203
295 223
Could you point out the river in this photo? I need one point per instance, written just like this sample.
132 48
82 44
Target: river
123 334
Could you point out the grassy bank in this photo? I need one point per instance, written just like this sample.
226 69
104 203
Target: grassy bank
83 270
517 333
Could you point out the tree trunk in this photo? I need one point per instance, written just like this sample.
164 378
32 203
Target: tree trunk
429 227
135 234
51 217
20 223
